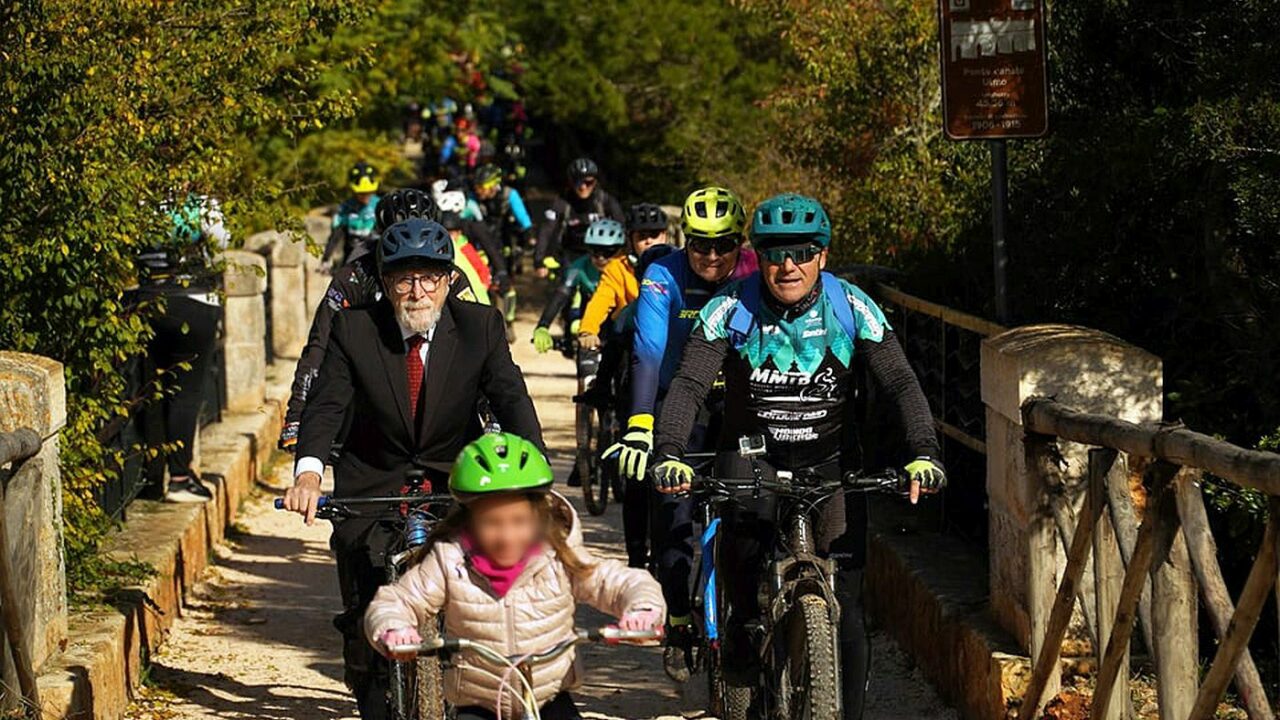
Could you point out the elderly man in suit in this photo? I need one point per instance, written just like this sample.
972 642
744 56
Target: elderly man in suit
409 371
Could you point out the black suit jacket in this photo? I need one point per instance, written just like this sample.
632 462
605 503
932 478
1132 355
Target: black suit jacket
364 373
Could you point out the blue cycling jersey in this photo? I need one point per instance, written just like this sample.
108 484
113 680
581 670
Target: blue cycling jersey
671 295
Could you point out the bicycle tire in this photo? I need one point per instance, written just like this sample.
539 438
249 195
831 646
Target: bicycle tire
429 680
595 487
813 670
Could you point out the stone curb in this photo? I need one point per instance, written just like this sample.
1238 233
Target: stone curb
104 661
929 592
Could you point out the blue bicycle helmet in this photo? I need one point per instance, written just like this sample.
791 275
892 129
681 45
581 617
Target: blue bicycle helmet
414 241
790 218
605 233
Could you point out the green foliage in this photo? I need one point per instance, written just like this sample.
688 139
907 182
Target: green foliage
108 108
663 94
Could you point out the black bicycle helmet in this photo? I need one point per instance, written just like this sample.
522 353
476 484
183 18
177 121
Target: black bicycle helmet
414 240
363 178
488 174
400 205
646 216
451 221
583 168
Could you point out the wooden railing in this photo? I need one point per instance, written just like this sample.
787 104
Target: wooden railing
1144 571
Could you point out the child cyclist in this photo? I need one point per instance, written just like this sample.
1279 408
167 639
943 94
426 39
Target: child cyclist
507 568
580 282
619 286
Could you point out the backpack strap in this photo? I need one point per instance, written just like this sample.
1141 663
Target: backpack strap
743 318
839 302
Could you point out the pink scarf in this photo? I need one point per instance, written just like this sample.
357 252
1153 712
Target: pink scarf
500 578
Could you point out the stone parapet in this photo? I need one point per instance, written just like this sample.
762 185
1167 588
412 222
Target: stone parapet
1086 369
33 395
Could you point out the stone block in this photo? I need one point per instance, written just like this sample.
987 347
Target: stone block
290 314
318 223
32 393
1083 368
244 352
245 273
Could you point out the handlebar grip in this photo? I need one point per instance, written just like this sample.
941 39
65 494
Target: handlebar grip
614 635
323 501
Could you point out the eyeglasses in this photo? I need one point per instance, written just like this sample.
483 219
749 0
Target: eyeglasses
721 246
429 281
799 254
604 253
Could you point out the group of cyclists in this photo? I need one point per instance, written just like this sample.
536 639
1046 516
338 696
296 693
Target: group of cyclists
728 350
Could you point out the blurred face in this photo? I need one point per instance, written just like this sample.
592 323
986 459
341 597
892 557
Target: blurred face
601 256
418 295
713 260
642 240
790 272
504 527
486 192
363 198
585 187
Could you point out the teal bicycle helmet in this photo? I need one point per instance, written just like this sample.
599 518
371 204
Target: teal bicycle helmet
790 218
605 233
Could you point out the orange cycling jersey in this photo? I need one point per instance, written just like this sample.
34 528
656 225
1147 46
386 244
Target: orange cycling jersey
618 288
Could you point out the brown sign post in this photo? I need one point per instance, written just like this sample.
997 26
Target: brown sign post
995 86
994 71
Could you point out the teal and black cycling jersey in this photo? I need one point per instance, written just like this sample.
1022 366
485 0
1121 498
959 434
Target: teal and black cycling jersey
581 278
788 372
353 224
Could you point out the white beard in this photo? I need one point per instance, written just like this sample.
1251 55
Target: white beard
418 316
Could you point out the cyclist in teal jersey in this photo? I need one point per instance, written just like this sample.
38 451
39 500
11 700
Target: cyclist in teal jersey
356 221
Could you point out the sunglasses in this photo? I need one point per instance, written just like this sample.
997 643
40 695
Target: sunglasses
587 182
799 254
721 246
604 253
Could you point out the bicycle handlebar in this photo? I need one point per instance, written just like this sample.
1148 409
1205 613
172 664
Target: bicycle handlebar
330 501
889 479
610 635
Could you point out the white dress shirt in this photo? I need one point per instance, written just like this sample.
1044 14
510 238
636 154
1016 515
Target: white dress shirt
315 464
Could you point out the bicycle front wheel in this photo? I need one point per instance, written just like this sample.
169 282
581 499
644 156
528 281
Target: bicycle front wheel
812 684
590 468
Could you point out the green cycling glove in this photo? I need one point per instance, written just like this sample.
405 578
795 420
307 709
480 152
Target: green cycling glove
542 340
673 476
928 473
634 448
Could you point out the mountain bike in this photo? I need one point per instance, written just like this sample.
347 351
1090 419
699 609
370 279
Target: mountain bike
521 666
416 689
798 629
596 426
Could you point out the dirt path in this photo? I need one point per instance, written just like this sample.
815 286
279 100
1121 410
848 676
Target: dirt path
255 640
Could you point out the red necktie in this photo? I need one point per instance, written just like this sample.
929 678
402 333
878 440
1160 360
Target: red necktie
413 361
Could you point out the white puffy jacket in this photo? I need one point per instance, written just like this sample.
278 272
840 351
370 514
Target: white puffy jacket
535 614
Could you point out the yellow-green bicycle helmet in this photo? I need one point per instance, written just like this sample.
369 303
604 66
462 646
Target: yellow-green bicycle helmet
713 212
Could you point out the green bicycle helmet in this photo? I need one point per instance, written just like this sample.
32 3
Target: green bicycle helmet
605 233
499 463
713 212
790 218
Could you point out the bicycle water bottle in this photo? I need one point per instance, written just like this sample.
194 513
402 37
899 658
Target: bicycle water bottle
416 529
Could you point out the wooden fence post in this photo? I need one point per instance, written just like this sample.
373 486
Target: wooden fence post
1217 599
1108 575
1042 560
1135 576
1256 589
1125 522
1173 604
